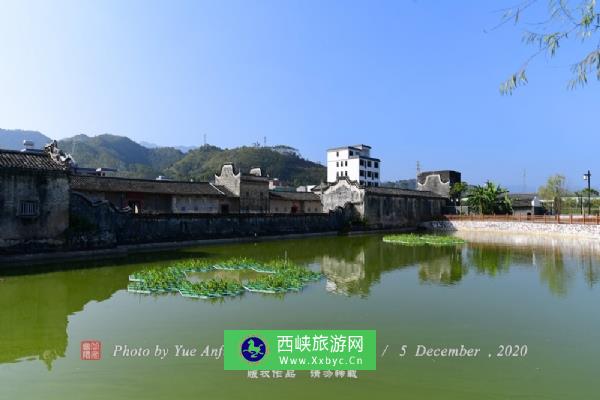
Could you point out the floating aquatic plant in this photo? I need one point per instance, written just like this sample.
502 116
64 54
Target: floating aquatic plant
280 276
421 240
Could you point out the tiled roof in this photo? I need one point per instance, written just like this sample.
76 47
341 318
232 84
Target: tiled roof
390 191
295 196
521 199
29 160
110 184
254 178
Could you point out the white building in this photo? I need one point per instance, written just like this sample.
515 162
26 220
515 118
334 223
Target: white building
353 162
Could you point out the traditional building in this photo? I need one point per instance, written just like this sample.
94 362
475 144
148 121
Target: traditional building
354 163
526 204
438 182
157 196
381 206
252 189
294 202
34 199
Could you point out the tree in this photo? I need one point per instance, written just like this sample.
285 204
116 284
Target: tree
554 190
489 199
567 21
457 190
584 192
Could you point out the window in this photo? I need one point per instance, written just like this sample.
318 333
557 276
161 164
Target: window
375 184
362 162
345 163
346 172
351 153
376 175
362 183
362 173
369 174
337 153
29 208
376 164
337 164
368 163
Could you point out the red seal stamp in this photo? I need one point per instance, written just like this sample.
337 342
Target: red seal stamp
91 350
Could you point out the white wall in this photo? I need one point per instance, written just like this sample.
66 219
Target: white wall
340 165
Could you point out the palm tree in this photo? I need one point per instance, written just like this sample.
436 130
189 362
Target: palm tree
489 199
457 190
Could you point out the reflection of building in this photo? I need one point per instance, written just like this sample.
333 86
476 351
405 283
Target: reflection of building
444 270
354 163
360 263
36 309
344 275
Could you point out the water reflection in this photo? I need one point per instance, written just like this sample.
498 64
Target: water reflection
446 270
34 309
355 268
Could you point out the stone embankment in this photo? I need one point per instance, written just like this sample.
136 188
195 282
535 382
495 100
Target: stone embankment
514 227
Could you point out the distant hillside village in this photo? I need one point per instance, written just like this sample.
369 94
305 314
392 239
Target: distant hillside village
43 192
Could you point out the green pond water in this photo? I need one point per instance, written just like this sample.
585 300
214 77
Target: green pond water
493 291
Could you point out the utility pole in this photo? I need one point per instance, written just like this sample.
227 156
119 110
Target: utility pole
418 168
588 177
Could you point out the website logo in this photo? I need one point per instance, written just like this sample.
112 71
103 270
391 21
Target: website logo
253 349
308 349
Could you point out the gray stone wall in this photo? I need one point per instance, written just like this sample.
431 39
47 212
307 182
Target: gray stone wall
198 204
44 230
509 227
340 195
379 210
438 181
99 224
400 211
254 196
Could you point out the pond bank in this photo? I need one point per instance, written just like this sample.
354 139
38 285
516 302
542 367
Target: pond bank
125 250
512 227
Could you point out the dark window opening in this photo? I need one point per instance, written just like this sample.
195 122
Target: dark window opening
29 208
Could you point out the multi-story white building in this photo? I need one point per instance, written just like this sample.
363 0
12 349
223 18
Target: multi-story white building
355 163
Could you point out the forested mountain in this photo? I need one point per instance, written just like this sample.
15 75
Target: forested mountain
13 139
134 160
130 158
204 162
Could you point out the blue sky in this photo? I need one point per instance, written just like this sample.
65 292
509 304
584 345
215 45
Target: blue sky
417 80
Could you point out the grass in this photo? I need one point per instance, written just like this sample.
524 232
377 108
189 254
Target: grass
279 277
422 240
